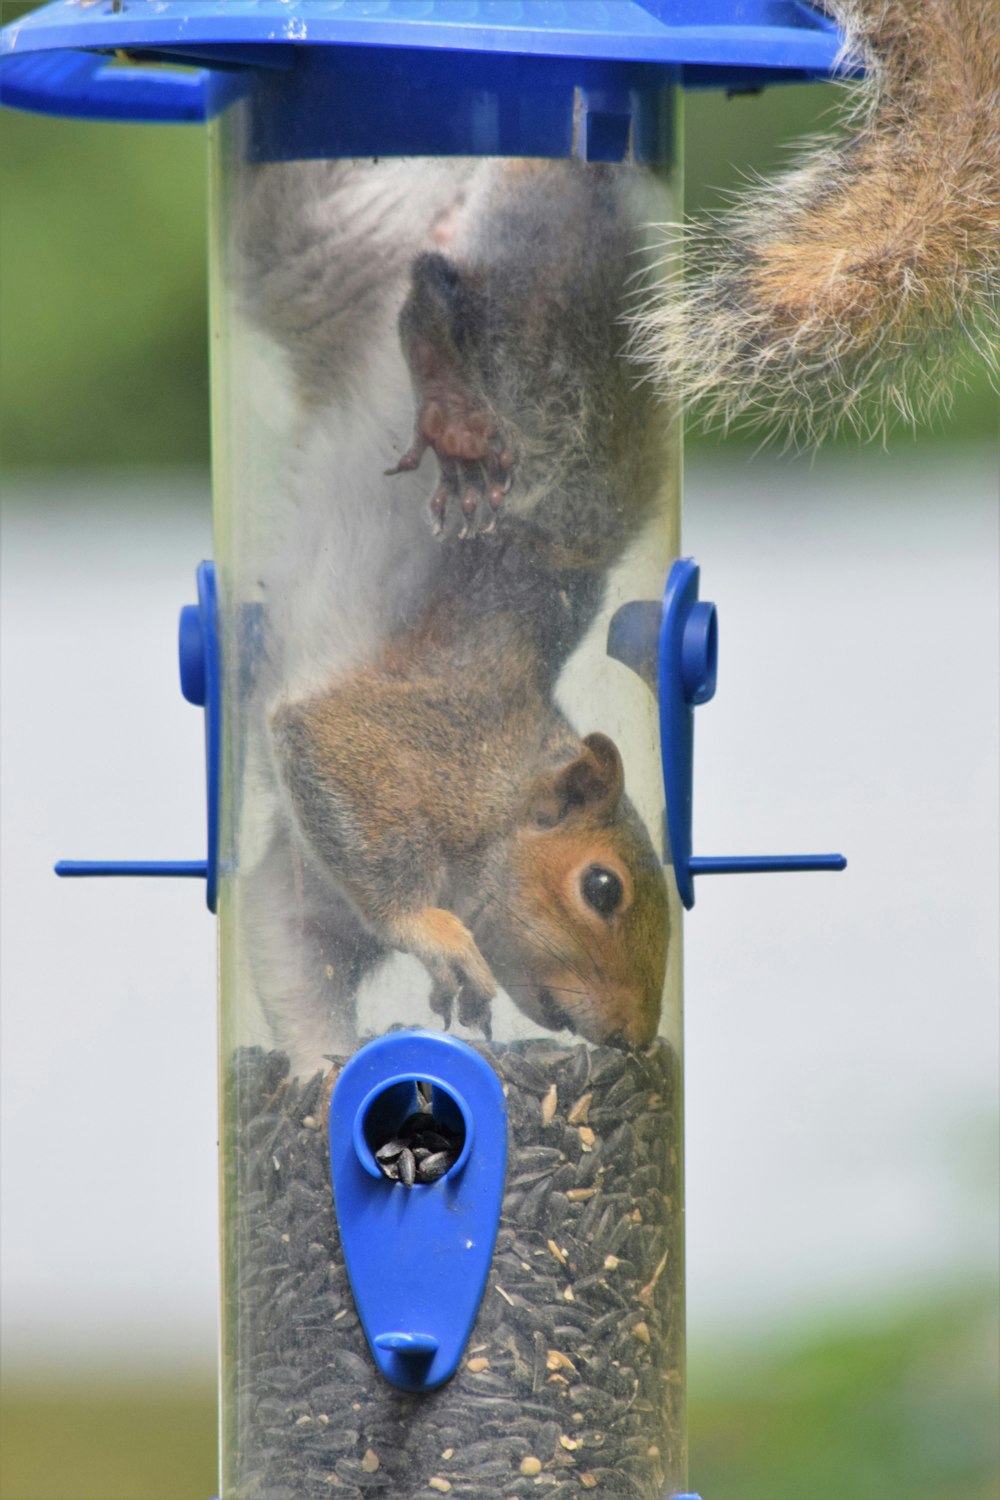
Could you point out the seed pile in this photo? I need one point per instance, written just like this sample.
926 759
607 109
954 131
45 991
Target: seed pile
571 1380
422 1150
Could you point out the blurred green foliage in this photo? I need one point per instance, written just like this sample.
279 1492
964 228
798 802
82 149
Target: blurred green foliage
103 358
905 1410
901 1407
98 1439
103 346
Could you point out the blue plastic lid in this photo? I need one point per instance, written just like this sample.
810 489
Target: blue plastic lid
520 49
769 35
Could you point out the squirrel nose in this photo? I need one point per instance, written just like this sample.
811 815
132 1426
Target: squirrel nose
639 1032
621 1040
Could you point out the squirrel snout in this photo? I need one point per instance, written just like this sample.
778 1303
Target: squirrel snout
626 1019
612 1018
576 971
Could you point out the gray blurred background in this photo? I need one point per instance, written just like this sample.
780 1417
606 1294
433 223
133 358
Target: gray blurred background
841 1030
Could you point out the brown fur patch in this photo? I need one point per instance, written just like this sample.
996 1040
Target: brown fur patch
871 269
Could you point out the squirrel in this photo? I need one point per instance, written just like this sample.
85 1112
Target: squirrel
426 794
851 287
429 795
472 827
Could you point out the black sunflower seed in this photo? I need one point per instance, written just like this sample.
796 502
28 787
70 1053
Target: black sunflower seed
407 1167
431 1167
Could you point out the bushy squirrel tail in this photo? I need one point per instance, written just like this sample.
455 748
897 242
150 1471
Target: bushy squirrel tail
854 285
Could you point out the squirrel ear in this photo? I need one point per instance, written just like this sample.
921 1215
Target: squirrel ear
593 780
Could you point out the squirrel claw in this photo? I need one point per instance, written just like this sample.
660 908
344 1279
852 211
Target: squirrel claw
477 487
448 951
474 1010
410 459
474 486
442 1001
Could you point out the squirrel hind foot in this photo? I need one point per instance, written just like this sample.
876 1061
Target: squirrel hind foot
475 459
443 329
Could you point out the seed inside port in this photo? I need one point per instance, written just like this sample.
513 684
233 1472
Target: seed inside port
414 1129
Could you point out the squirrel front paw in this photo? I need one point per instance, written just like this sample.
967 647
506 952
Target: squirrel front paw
474 1008
449 953
444 331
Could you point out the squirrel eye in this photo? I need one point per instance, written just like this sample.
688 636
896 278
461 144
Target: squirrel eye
602 890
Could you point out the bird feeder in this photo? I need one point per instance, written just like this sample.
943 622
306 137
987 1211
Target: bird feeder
448 654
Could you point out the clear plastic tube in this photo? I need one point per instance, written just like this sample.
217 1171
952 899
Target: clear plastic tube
438 476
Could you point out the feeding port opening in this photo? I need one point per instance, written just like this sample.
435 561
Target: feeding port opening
413 1131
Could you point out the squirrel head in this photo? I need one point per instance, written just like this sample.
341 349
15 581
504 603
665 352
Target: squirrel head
580 939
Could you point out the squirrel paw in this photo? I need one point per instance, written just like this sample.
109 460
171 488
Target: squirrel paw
442 1002
444 330
474 1010
473 1006
448 951
475 465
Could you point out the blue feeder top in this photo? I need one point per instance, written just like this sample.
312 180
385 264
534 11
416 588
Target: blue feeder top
780 35
55 59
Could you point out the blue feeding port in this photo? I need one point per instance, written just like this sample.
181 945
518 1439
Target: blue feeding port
418 1253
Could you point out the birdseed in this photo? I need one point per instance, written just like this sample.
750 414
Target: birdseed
574 1360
